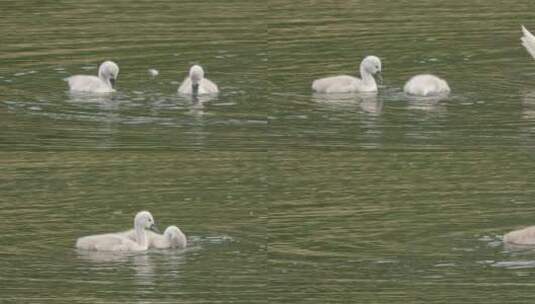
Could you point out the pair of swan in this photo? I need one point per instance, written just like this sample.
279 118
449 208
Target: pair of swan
419 85
137 239
195 84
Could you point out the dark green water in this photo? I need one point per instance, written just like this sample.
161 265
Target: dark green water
286 196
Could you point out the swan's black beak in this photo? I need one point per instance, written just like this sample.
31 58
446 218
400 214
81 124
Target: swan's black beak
112 82
195 89
379 77
154 228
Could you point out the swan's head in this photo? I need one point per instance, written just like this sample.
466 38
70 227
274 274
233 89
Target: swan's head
196 74
175 236
145 220
371 64
108 71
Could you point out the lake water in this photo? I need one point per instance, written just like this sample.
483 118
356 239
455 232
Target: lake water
286 196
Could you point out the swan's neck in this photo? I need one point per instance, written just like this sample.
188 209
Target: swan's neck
367 78
106 80
141 237
195 89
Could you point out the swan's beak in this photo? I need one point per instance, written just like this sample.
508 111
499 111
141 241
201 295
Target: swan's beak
379 77
112 82
154 228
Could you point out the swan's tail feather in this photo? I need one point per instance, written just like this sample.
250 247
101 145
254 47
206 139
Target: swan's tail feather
528 41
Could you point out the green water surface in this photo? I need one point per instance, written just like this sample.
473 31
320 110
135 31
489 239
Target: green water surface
286 196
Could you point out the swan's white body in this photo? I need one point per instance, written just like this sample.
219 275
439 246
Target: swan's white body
172 237
119 241
196 79
107 74
525 236
528 41
426 85
370 66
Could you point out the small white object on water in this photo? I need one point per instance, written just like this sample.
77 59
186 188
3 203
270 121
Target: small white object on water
369 67
153 72
104 83
426 85
172 237
119 241
196 84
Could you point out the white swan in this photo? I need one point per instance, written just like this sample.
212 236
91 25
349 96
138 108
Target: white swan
528 41
370 66
172 237
426 85
119 241
104 83
196 84
525 236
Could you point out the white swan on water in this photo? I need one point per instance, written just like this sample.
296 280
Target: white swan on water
525 236
119 241
369 67
104 83
196 84
528 41
172 237
426 85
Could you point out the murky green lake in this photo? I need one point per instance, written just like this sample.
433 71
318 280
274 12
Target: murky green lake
286 196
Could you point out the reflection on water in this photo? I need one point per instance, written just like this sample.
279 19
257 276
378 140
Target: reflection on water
436 104
368 102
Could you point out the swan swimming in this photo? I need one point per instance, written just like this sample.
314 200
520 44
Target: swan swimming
525 236
119 241
528 41
426 85
196 84
104 83
172 237
370 66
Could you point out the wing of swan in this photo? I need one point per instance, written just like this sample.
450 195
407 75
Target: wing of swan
206 86
336 84
86 83
108 242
